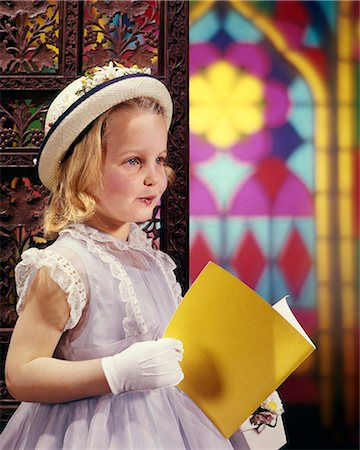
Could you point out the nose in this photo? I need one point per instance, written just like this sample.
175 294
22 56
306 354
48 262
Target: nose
151 177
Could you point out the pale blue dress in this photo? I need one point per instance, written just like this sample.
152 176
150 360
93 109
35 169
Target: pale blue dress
119 293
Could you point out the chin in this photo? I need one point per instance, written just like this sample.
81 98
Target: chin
140 218
145 218
147 215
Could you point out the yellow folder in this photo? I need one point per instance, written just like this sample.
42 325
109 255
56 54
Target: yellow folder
237 348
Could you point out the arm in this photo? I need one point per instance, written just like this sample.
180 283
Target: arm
32 374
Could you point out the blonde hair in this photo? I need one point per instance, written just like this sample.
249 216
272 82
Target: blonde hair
72 200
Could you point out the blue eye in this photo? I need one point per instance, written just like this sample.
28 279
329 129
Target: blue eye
160 160
133 161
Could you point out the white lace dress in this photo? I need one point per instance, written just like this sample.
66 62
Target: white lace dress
119 293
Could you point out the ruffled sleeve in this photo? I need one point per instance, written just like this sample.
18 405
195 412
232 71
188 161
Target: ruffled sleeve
61 271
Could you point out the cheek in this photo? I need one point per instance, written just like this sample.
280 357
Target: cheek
163 182
115 183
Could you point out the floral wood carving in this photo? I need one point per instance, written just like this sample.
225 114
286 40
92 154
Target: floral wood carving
29 33
21 131
68 53
21 124
127 31
22 205
175 213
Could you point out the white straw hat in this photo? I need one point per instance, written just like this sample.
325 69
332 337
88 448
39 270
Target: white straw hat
84 100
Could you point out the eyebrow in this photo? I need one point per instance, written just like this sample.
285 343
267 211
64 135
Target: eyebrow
142 150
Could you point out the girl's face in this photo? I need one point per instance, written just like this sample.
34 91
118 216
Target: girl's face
135 149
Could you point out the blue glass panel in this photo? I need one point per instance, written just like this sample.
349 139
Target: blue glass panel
285 141
281 70
234 230
329 8
301 162
312 38
222 174
306 229
280 229
302 119
306 298
300 92
211 229
264 286
279 287
205 28
222 39
240 29
261 228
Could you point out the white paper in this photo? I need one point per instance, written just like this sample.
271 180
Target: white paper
283 309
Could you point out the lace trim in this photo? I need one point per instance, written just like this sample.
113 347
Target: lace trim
137 238
60 271
167 267
137 241
133 323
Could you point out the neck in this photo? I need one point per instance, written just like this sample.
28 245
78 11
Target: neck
120 230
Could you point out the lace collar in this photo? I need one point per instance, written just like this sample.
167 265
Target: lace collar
134 322
137 238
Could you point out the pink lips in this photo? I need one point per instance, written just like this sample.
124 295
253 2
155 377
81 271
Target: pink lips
147 200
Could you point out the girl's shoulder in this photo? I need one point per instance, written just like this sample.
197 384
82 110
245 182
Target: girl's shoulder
64 267
64 255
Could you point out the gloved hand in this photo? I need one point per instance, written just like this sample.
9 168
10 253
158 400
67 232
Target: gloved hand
145 365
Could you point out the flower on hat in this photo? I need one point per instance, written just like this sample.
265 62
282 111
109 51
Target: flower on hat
58 109
98 75
92 77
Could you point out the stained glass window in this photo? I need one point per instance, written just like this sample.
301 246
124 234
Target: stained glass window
272 180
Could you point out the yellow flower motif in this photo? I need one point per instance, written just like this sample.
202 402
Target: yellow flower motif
273 404
226 104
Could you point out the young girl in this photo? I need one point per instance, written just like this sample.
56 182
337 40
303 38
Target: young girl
86 357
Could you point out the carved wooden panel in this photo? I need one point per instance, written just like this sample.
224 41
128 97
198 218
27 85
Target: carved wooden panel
44 45
30 36
126 31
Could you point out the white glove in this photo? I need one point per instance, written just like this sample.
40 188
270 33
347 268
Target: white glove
145 365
